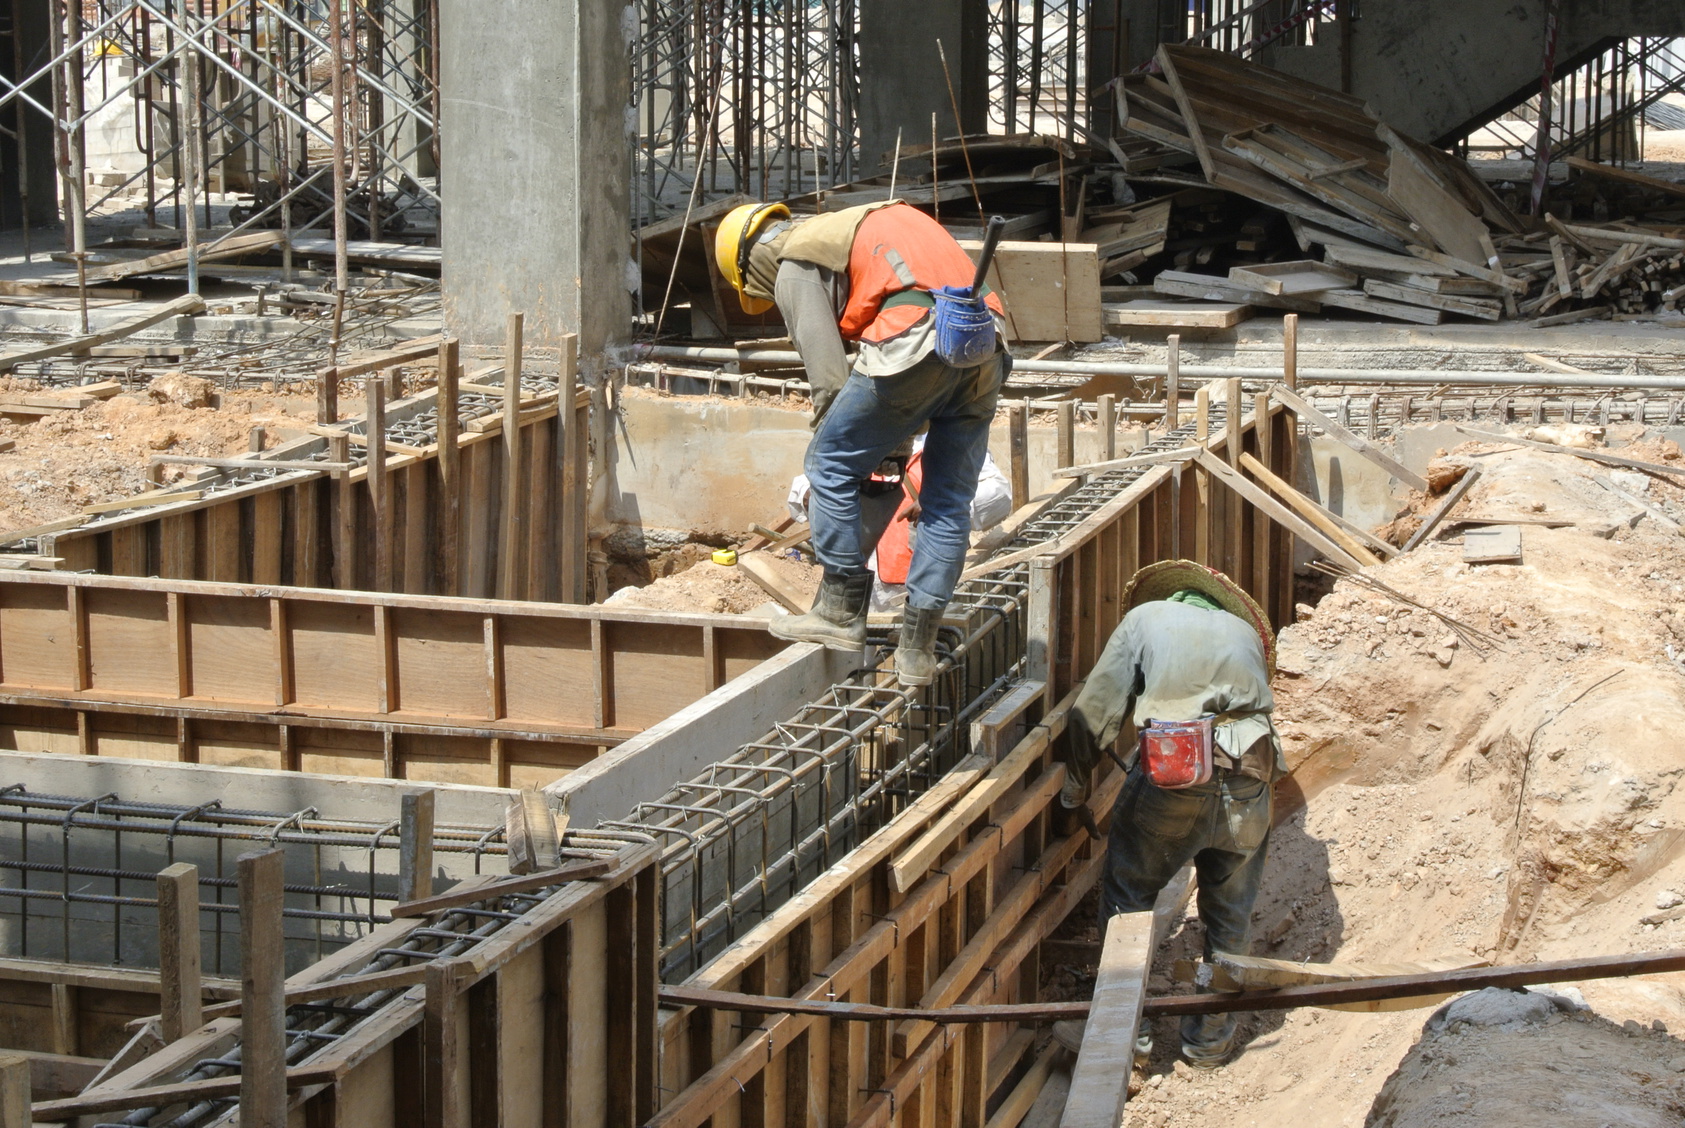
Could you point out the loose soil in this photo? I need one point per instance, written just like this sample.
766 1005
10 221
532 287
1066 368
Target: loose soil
1513 800
69 459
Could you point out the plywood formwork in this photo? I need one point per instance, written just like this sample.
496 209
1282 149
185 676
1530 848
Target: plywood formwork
472 515
946 904
348 683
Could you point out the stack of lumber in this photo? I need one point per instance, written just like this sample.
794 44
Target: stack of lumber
52 401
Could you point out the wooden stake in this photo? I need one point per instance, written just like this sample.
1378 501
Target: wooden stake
512 523
263 977
14 1092
380 489
572 452
181 1005
1106 406
1018 430
1067 433
327 396
345 515
450 466
415 845
1173 382
1290 350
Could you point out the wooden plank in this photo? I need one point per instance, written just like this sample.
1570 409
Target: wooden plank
1453 228
1492 544
188 304
1299 277
419 349
573 474
1363 303
512 525
533 838
1100 1078
1592 455
165 1096
227 247
1051 291
1456 494
1316 514
1627 175
450 466
1213 288
758 567
415 845
577 871
1179 315
1151 458
379 484
1018 435
344 514
143 501
1449 303
447 1098
1362 446
1278 513
263 1026
181 990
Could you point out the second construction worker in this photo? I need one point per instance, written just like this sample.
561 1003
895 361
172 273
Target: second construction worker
867 275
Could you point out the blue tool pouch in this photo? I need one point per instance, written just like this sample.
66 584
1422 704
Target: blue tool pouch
965 327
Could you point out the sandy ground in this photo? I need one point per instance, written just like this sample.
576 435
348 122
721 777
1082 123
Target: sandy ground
1512 805
69 459
706 586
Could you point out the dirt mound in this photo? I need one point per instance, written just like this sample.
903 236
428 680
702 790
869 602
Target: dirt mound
1514 798
706 586
1558 1066
70 459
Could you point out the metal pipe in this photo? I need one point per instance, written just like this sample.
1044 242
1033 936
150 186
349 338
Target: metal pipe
1429 376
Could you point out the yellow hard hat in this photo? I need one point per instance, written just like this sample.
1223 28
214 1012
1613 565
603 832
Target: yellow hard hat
732 242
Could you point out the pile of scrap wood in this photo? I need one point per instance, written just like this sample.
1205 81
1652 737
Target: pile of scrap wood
1404 230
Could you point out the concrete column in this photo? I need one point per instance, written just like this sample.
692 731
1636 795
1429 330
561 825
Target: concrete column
536 178
901 80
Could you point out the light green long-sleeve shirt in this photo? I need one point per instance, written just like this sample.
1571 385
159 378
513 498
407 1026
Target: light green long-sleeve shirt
1174 662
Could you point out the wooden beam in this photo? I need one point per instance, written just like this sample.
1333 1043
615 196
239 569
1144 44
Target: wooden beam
711 999
1278 513
415 845
166 1096
14 1091
450 466
1356 442
1456 494
189 304
1018 436
1309 510
182 989
263 978
1105 407
573 453
511 523
419 349
577 871
1151 458
1100 1078
1173 382
380 486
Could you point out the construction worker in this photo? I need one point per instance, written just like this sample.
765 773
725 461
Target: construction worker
1192 647
868 275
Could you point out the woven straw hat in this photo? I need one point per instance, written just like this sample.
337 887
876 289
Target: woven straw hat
1167 577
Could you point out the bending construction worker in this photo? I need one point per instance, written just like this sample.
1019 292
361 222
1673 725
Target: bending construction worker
1190 665
874 275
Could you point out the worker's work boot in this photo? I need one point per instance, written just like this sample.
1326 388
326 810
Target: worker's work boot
1207 1039
838 617
915 654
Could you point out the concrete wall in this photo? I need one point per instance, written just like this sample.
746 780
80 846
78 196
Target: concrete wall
693 463
536 183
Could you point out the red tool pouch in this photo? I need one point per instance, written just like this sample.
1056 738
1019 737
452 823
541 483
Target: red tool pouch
1177 754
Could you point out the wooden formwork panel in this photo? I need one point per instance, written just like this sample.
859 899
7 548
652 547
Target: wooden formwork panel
444 536
352 683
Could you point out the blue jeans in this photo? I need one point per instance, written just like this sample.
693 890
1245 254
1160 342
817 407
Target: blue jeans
870 417
1223 827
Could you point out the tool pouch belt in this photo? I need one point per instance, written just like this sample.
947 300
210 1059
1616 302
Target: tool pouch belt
1177 754
965 326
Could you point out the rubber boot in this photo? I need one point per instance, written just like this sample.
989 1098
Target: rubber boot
838 617
915 655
